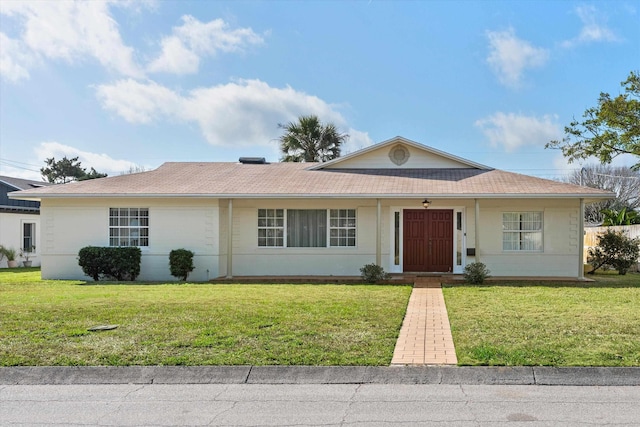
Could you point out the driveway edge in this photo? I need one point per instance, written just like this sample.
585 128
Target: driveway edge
518 375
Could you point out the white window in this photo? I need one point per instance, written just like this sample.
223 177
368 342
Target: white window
271 227
342 227
306 228
522 231
128 227
29 236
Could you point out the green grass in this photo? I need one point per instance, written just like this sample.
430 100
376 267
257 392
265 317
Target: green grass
539 323
44 322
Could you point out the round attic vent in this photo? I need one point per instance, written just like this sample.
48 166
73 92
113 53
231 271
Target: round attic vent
399 154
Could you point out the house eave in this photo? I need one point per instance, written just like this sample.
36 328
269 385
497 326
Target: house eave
586 196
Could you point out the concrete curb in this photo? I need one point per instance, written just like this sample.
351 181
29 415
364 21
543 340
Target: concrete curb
518 375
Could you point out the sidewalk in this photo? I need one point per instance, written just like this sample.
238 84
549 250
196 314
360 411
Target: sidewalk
425 337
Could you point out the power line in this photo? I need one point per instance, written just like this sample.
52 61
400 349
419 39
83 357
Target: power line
15 161
617 176
15 165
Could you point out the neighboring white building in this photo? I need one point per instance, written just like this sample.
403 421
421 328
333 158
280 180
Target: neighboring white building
251 218
19 219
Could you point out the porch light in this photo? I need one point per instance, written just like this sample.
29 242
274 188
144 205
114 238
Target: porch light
426 203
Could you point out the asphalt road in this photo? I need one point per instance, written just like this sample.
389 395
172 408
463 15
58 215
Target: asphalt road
318 405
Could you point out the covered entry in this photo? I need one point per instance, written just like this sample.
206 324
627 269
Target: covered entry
428 240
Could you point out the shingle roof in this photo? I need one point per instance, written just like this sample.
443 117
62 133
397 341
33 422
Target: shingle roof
22 184
296 180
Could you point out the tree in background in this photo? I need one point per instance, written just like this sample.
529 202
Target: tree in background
618 179
622 217
608 130
134 169
93 174
309 140
67 170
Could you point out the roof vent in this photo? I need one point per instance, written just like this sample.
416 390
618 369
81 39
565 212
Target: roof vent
252 160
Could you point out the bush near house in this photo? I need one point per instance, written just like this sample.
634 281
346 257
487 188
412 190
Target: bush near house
181 263
476 273
614 250
106 262
373 273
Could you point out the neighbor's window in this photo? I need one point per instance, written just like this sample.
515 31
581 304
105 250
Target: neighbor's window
306 228
522 231
342 227
29 235
129 227
271 227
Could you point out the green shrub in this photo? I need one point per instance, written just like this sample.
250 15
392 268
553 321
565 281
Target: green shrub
106 262
476 273
616 250
181 263
373 273
90 260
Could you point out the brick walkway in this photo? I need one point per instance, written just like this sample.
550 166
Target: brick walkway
425 337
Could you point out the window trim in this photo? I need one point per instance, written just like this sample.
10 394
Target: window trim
520 231
32 225
138 227
339 227
284 228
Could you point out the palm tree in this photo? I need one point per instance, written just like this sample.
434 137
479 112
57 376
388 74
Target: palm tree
309 140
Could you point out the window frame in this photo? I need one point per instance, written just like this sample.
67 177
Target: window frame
347 238
32 236
328 228
282 228
141 237
523 231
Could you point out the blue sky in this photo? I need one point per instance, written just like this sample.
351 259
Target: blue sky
128 83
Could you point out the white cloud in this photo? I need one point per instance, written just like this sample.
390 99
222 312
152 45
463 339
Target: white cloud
99 161
138 102
513 131
510 56
175 58
592 30
14 59
69 31
182 50
241 113
357 141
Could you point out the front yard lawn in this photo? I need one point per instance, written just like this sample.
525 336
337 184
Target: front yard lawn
557 324
45 323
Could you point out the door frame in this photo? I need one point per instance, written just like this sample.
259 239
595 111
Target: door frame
395 266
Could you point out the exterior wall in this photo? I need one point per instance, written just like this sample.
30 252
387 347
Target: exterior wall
70 224
11 234
380 159
250 260
560 253
200 225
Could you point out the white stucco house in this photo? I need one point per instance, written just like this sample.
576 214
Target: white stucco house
256 218
19 219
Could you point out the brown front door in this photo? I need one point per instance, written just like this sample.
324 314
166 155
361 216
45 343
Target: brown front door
428 240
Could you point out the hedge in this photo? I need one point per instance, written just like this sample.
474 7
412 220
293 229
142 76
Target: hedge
110 263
